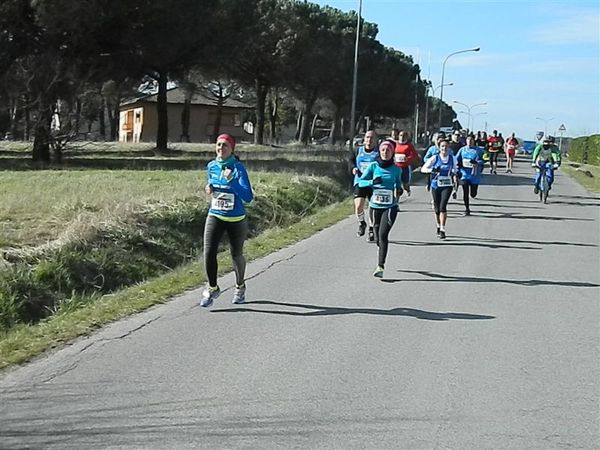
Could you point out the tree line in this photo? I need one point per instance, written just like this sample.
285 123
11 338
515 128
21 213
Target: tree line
82 58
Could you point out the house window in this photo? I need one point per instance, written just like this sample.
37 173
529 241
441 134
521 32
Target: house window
138 116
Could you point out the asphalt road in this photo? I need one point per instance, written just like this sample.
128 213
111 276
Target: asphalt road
489 340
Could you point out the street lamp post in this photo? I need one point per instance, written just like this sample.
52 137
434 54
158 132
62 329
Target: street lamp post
355 79
427 103
545 124
442 84
469 110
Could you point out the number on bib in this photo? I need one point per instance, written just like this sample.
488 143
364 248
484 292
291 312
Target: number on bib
400 157
467 164
364 166
444 181
222 201
383 196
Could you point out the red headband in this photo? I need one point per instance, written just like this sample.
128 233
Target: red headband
227 138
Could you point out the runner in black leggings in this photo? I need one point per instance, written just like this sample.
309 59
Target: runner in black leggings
442 168
229 188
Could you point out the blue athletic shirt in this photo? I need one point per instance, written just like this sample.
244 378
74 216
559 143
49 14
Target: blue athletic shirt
470 172
443 177
363 160
228 198
384 195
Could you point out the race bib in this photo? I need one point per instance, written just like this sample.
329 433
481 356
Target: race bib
467 164
383 196
444 181
511 147
222 201
363 166
400 157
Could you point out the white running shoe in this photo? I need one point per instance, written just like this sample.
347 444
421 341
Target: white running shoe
239 295
209 295
378 272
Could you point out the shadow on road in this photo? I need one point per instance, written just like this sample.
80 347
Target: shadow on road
507 215
525 241
336 310
483 243
439 277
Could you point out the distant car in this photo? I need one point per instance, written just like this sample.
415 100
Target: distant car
528 146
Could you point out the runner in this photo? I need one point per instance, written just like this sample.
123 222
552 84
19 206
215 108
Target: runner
470 162
404 156
383 177
442 168
365 155
229 188
494 144
510 148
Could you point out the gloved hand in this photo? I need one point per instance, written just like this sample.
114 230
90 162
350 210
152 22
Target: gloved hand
377 180
473 161
435 170
555 166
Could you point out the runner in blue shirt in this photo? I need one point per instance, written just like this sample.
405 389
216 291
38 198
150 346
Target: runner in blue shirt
442 168
470 162
365 155
383 176
229 188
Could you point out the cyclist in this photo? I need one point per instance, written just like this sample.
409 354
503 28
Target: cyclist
404 156
545 152
365 155
383 177
229 188
442 168
470 162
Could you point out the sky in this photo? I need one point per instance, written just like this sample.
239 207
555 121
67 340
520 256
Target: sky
538 58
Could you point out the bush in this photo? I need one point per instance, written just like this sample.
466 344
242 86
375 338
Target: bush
151 241
586 150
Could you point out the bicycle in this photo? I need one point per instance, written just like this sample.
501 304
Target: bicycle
547 171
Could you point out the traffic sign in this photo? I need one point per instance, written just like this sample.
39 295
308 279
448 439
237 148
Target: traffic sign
562 128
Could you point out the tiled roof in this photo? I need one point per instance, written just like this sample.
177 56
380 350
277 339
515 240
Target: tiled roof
177 96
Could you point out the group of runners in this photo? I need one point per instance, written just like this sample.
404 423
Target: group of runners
382 174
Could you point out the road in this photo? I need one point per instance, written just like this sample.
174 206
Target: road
489 340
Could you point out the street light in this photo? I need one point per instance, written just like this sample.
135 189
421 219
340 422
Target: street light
469 110
355 78
427 102
545 124
443 70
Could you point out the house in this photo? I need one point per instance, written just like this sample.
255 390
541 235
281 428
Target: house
139 119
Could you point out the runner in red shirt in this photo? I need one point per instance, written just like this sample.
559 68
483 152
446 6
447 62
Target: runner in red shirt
404 155
494 145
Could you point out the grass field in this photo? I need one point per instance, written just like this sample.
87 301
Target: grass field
578 173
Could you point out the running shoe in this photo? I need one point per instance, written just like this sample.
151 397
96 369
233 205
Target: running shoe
209 295
467 212
371 235
378 272
361 228
536 191
495 172
442 235
239 295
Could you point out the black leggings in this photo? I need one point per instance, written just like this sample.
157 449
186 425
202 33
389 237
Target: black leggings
383 220
440 198
493 159
213 232
468 189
